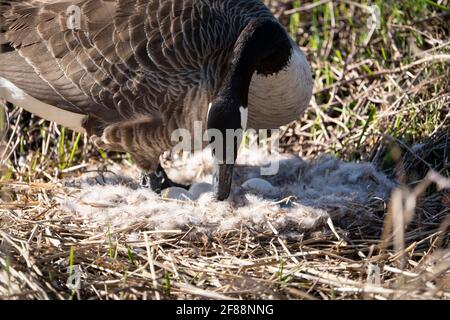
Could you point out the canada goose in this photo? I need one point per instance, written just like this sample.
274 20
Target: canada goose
130 72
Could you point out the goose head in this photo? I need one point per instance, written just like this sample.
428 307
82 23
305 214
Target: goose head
263 48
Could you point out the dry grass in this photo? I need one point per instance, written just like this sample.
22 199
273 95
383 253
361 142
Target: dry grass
380 96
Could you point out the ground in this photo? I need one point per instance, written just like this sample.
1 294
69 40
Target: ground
380 110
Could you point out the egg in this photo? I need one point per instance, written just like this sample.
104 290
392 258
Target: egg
259 185
197 189
176 193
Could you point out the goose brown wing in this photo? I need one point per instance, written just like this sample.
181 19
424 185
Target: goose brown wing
18 31
74 65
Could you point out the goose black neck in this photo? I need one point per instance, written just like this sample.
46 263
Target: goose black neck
262 47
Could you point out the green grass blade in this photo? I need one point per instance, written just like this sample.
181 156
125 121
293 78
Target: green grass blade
74 149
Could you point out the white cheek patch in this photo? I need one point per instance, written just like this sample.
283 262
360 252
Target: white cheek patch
244 117
209 108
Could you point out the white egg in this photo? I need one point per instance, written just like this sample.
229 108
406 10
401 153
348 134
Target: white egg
197 189
176 193
259 185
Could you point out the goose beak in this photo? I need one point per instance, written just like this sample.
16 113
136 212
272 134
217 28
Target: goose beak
222 177
225 124
223 170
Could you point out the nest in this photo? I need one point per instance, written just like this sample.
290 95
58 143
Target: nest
76 239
